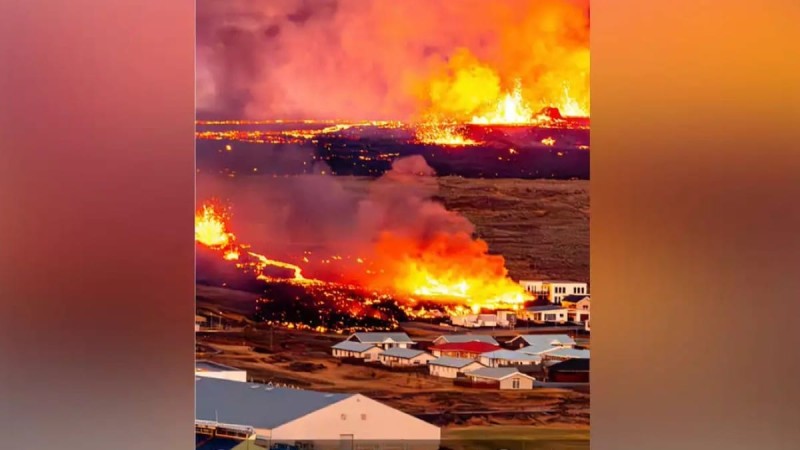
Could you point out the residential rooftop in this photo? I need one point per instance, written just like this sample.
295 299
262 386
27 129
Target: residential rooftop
545 339
472 347
495 373
405 353
353 346
455 338
510 355
447 361
566 352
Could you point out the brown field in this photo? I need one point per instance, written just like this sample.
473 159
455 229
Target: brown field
303 359
541 227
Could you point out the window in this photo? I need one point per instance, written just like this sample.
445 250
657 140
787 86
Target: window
344 416
515 383
549 317
363 417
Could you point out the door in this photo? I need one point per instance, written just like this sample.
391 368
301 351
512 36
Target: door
346 442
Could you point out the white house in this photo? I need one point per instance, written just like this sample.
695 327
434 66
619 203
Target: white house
210 369
578 308
541 340
503 377
459 338
394 357
447 367
383 340
554 290
309 418
498 319
502 358
350 349
547 313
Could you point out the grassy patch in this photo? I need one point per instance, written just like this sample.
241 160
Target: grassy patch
515 437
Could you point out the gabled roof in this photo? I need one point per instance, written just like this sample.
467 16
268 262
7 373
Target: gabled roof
405 353
537 349
545 308
571 365
510 355
574 298
457 363
202 365
545 339
353 346
256 405
380 337
472 347
496 373
566 352
450 338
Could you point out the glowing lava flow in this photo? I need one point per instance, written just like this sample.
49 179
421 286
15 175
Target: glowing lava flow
211 230
450 268
510 109
439 133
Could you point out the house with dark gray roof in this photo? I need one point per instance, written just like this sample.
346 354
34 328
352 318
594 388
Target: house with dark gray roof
292 416
383 340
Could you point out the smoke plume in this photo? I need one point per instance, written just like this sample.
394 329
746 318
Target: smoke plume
375 59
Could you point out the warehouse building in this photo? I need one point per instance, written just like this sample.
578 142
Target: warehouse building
309 419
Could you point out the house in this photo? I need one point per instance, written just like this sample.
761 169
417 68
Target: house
210 369
307 418
554 290
541 340
470 350
563 354
350 349
500 377
546 313
480 320
447 367
446 338
569 371
398 357
383 340
503 357
577 308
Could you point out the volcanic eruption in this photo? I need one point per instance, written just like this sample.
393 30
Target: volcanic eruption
405 247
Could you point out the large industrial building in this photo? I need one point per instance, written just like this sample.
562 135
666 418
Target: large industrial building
306 419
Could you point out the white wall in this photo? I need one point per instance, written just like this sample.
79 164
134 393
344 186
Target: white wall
233 375
523 383
452 372
362 417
